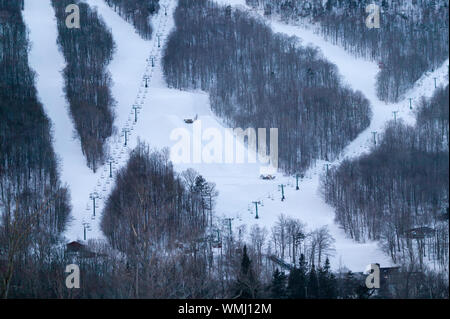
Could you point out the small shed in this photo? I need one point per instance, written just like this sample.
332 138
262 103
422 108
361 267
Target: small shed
79 249
74 247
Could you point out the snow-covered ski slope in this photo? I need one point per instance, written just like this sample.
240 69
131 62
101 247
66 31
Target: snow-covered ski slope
359 74
163 110
48 63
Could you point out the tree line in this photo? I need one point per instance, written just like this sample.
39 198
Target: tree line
412 38
163 241
256 78
34 206
398 193
138 12
88 50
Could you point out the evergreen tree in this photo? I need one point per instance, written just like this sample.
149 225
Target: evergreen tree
246 262
349 286
327 282
312 287
278 286
362 292
200 184
247 284
297 280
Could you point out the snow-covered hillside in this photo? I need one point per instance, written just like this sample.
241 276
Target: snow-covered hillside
163 110
48 63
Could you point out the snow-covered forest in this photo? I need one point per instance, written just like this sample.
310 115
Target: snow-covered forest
93 118
87 81
397 191
34 205
264 80
411 40
138 13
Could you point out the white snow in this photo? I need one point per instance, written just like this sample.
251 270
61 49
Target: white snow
48 63
359 74
164 109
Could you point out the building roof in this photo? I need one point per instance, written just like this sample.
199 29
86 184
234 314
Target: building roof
75 246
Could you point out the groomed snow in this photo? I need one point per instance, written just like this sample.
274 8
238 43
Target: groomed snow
48 63
163 110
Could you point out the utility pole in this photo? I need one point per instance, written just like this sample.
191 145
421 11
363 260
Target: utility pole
282 192
136 108
256 206
94 196
410 103
374 138
395 116
125 132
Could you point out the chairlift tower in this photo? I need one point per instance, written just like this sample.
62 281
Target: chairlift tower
159 35
136 109
125 132
152 59
93 196
374 138
282 192
256 207
395 116
165 6
110 162
86 228
146 78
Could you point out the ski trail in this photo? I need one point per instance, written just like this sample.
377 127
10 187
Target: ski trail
161 110
359 74
132 58
47 61
239 185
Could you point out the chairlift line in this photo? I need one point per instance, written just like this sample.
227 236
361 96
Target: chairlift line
119 148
